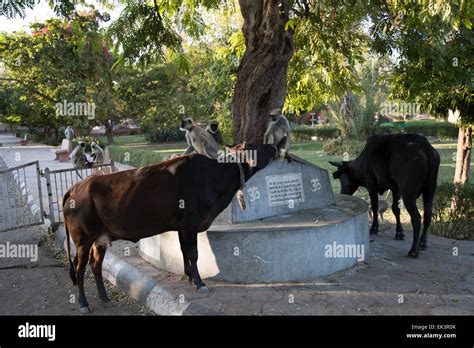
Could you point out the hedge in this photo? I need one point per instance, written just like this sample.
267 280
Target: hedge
323 132
426 128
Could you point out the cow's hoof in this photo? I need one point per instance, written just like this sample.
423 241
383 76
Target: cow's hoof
399 236
107 304
203 290
423 246
85 310
413 254
373 231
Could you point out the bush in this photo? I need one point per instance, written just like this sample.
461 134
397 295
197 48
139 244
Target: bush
453 211
323 132
426 128
163 135
340 146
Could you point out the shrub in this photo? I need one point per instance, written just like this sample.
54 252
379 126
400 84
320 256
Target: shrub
426 128
323 132
340 146
163 135
453 211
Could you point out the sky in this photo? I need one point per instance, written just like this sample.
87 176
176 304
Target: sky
39 13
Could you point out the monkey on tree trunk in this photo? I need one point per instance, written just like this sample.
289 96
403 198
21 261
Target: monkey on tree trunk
278 132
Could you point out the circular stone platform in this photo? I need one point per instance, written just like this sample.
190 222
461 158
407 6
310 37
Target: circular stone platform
293 247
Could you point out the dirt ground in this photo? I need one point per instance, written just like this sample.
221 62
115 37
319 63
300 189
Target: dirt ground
44 287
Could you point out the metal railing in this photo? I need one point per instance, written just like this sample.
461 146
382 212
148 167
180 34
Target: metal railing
58 182
17 205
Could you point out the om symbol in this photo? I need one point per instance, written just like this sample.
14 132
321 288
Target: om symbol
315 185
253 193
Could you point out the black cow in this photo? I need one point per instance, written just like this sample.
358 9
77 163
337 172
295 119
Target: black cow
407 165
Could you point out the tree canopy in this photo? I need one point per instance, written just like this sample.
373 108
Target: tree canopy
234 61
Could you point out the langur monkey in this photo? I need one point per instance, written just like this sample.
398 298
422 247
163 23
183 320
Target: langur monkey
97 153
278 132
383 206
213 128
78 156
69 133
199 140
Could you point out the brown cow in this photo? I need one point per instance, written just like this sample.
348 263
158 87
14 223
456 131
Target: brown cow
184 194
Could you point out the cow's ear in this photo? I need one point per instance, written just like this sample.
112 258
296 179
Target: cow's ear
336 164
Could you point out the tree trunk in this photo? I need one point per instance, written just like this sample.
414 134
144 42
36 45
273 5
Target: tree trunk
347 114
108 132
463 155
77 131
261 78
56 135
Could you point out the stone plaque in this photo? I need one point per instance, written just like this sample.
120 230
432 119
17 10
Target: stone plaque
284 189
281 188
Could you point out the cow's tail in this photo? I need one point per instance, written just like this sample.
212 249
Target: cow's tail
72 269
435 162
431 182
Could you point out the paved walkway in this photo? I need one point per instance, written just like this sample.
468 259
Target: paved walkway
440 282
43 287
388 282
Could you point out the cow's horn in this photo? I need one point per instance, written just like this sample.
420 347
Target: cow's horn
336 164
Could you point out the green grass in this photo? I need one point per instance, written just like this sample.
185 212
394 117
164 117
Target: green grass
122 140
136 151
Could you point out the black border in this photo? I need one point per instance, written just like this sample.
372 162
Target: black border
224 330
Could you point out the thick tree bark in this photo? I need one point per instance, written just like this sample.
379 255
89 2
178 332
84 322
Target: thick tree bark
56 135
261 78
77 131
108 133
463 155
